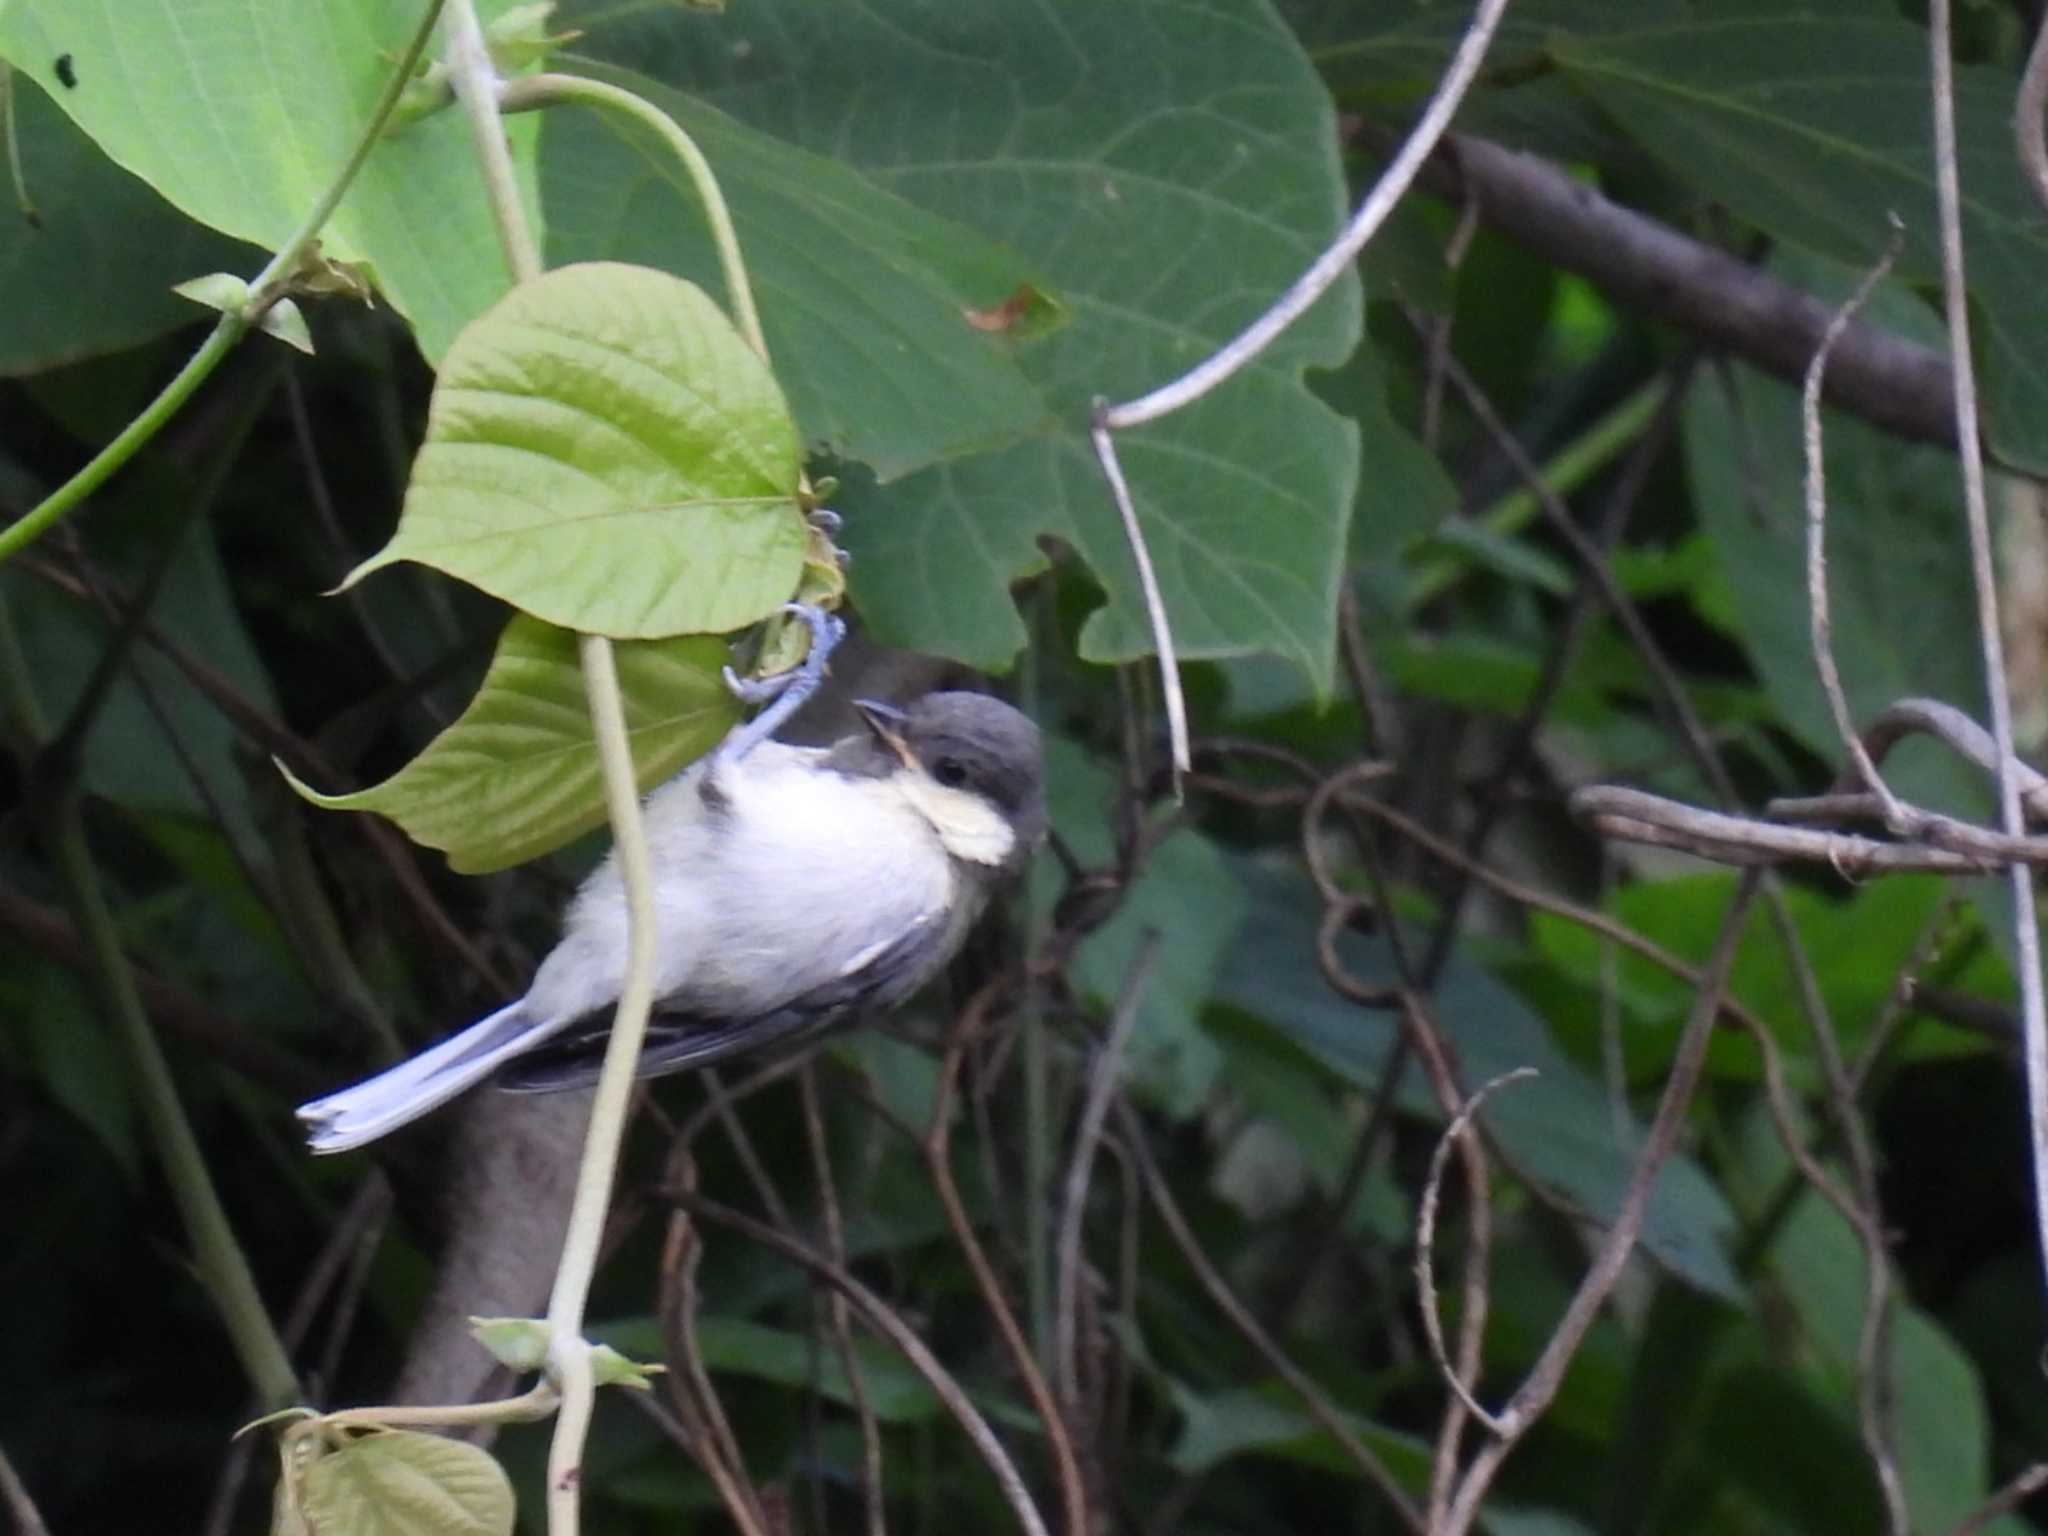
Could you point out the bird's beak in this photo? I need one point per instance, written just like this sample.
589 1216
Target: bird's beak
887 722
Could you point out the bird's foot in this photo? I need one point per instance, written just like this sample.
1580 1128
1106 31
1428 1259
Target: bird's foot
785 693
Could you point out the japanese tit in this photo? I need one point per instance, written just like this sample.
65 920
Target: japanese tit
796 890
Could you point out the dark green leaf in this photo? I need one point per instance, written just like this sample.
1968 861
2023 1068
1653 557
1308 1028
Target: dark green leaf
100 256
1813 124
864 296
1169 170
242 115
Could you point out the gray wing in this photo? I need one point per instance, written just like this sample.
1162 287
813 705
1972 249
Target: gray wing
680 1040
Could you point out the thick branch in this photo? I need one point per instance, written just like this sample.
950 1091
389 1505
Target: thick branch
1650 267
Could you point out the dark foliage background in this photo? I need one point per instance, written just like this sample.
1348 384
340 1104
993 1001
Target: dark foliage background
1394 650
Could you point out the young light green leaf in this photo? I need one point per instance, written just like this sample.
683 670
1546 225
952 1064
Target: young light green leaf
287 323
520 1343
217 290
400 1483
609 1368
517 774
604 451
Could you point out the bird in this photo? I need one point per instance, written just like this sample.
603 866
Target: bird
797 890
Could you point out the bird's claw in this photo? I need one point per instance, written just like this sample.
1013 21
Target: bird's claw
786 692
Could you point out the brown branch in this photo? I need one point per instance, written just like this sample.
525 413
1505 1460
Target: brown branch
1647 266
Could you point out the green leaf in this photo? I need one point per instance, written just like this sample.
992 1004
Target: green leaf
1557 1129
398 1483
75 1059
1188 895
137 751
603 451
896 1393
1939 1418
243 112
864 296
518 1342
285 321
517 774
1814 125
1272 1422
217 290
102 253
1170 169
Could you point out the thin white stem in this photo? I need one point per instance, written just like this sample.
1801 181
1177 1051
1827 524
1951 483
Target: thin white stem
1820 629
476 86
1155 604
1425 1241
2026 930
1379 202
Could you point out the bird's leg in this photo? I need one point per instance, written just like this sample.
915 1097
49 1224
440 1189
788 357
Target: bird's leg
785 693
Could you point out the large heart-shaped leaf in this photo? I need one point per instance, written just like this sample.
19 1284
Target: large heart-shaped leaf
401 1483
605 452
1170 166
242 112
517 774
869 302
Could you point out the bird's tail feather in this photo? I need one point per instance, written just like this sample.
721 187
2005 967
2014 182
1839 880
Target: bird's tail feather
381 1104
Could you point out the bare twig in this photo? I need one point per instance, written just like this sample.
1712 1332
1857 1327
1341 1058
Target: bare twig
1634 815
842 1337
21 1509
2028 110
1955 295
709 1437
1333 263
1239 352
878 1315
1425 1240
1148 584
2008 1498
1820 631
938 1163
1538 1390
1960 734
1320 1408
1102 1081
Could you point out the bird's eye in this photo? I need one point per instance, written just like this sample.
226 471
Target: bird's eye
950 771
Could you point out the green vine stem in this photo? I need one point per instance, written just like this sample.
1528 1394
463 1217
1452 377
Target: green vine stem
543 90
569 1353
222 1266
232 325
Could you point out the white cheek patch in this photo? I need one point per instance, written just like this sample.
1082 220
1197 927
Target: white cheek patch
971 829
